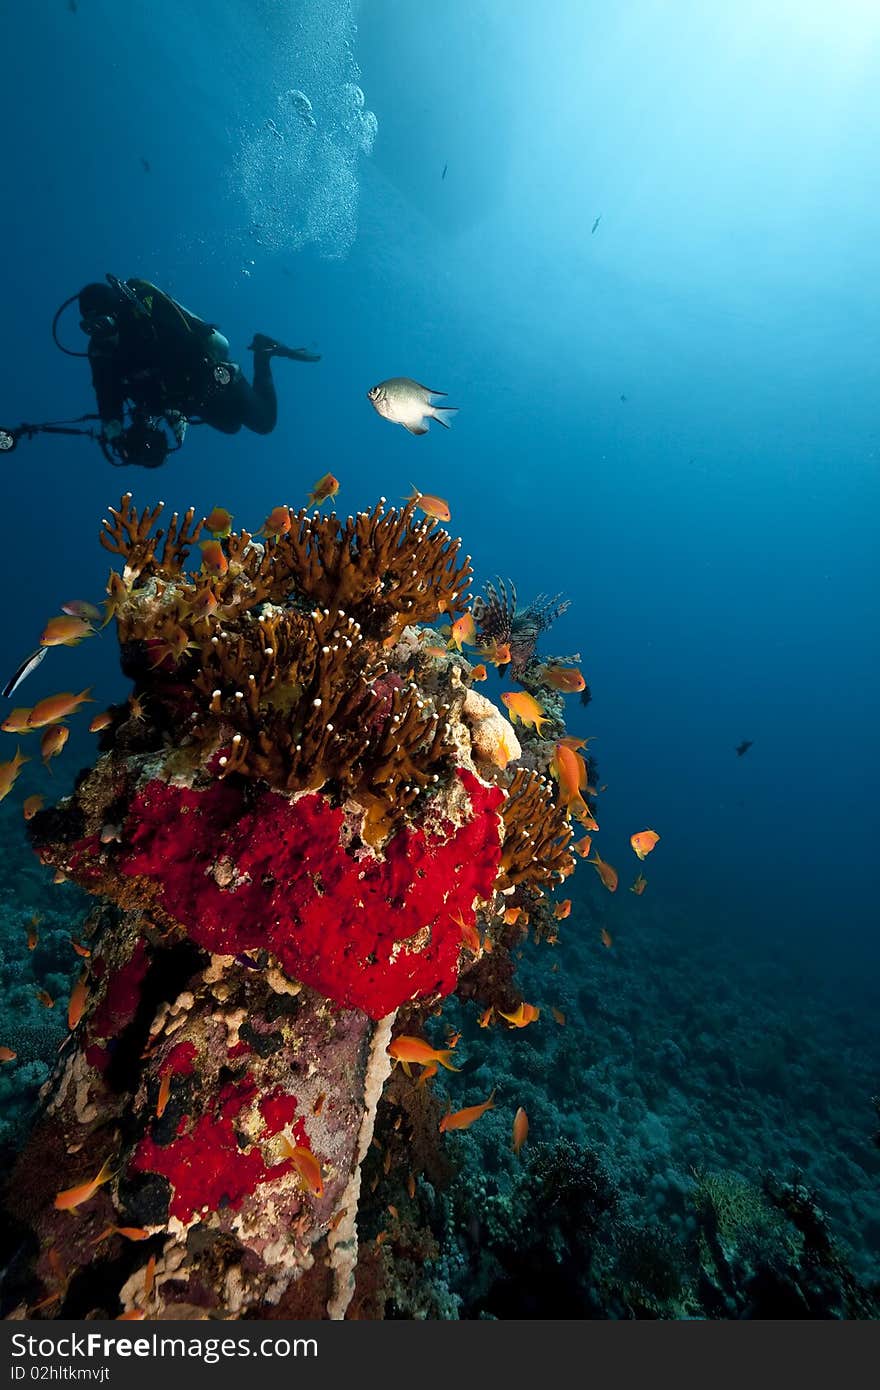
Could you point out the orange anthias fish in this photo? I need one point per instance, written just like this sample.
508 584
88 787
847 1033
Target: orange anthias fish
306 1165
56 707
639 885
214 557
434 507
606 938
505 747
564 678
219 523
469 934
32 804
432 650
406 1049
570 771
101 721
149 1276
571 741
522 1016
512 916
80 608
32 939
463 1119
66 631
16 722
643 842
496 653
277 523
45 998
325 487
583 814
53 741
562 910
205 604
79 997
479 673
464 632
117 591
7 1054
525 707
80 949
171 647
75 1196
520 1129
129 1232
9 772
559 1016
164 1094
486 1017
583 847
607 874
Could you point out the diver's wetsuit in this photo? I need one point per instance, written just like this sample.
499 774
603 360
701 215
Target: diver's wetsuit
254 406
160 357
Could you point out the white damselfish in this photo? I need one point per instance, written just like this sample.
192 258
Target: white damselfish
405 402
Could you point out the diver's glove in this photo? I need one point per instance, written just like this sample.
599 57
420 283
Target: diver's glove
112 430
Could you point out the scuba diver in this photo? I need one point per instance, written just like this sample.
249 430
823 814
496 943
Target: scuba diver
157 368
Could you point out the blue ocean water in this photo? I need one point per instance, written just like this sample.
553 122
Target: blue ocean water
637 247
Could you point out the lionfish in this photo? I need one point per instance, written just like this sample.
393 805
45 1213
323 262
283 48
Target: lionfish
498 619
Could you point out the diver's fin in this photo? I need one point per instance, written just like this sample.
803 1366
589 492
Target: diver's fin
263 343
437 413
416 429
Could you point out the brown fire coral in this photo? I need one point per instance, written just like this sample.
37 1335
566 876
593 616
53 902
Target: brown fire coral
536 834
299 699
385 568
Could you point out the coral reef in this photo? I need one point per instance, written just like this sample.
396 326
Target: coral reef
292 831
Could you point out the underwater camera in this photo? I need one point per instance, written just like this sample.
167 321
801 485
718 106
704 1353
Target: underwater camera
144 443
8 440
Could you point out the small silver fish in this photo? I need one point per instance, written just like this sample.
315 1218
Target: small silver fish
29 664
406 402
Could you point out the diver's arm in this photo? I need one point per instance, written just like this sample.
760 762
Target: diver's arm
107 381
